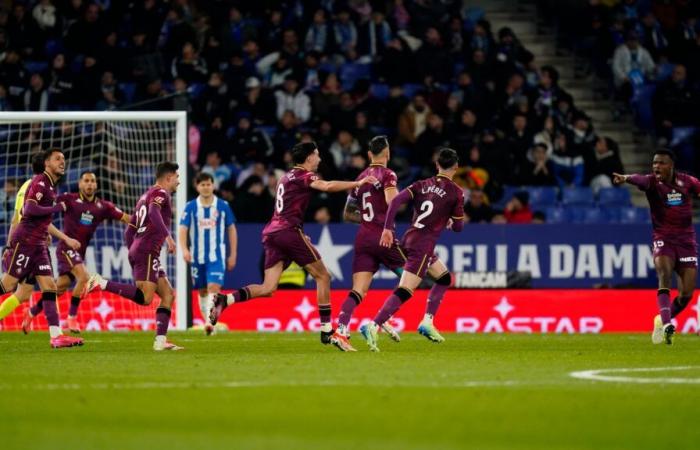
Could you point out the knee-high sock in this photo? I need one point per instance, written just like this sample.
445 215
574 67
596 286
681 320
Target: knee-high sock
162 321
51 312
437 292
664 302
391 305
10 304
205 303
37 308
348 308
678 305
74 304
128 291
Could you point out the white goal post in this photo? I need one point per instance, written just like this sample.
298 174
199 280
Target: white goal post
176 136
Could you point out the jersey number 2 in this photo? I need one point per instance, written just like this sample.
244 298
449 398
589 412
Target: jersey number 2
427 208
141 216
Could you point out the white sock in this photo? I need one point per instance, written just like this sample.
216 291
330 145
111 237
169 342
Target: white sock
342 329
230 300
102 282
204 306
55 331
160 339
428 318
326 327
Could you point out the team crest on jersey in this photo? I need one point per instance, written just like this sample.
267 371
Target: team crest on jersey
41 183
674 198
99 205
159 200
39 196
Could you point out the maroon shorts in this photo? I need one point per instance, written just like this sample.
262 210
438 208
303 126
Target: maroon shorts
25 262
287 246
684 255
420 255
146 266
67 259
368 254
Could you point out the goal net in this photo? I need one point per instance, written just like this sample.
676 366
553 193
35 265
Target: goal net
122 149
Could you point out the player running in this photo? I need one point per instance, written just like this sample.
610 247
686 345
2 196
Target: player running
438 203
27 255
284 240
148 228
367 206
670 196
23 292
205 219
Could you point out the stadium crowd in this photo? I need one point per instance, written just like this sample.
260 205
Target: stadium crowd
257 77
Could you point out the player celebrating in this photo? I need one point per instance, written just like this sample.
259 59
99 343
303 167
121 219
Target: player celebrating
367 206
284 240
205 219
438 203
28 247
24 290
670 196
148 229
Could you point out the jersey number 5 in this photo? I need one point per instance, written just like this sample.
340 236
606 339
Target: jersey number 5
426 207
368 215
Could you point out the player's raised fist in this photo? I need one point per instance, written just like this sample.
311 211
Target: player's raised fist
387 238
619 178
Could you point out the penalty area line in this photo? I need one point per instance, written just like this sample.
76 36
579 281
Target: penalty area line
616 375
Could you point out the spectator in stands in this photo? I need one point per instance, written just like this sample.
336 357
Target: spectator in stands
413 120
44 13
318 37
36 97
328 96
537 169
111 95
631 63
250 144
675 103
342 149
432 138
61 81
538 217
85 35
253 203
189 66
7 200
286 136
432 59
651 35
345 34
519 138
602 162
322 215
498 217
547 93
214 167
580 136
291 98
568 165
4 102
517 209
476 210
373 37
547 135
15 77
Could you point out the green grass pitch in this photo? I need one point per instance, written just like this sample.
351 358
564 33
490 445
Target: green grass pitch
287 391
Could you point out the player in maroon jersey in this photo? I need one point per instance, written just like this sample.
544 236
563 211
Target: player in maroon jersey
284 240
28 254
670 196
84 213
438 203
148 229
367 206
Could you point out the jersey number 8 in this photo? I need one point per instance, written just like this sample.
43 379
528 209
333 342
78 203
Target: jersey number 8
280 198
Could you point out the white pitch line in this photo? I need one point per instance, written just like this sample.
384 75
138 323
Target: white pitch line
600 375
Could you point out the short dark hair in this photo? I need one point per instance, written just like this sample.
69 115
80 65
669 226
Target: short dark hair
378 143
166 168
302 150
38 163
48 153
203 176
447 158
667 152
87 171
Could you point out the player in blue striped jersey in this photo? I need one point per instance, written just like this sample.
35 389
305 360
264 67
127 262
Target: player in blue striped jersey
207 221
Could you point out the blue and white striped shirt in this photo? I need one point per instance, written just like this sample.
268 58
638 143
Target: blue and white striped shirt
208 225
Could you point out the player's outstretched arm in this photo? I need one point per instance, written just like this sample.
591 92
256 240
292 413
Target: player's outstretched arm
33 209
339 186
351 213
58 234
641 181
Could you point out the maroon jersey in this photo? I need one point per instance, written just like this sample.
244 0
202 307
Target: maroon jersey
370 197
35 230
293 195
83 216
671 206
148 238
435 201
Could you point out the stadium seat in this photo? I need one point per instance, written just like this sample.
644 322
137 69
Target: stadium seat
53 47
379 91
129 90
508 192
642 106
556 214
633 214
351 72
542 196
613 197
410 89
611 213
36 66
590 215
195 90
328 67
577 196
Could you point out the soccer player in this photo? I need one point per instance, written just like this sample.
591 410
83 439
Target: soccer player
438 203
23 292
148 228
206 219
28 254
367 206
670 196
284 240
